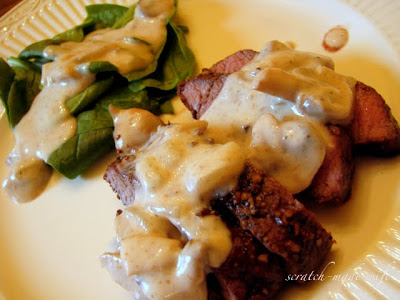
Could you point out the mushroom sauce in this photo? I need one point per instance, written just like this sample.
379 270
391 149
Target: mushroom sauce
272 113
276 109
166 245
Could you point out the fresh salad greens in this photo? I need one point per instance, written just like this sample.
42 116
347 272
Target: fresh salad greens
150 88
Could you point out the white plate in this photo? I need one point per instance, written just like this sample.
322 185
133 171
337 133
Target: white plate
50 247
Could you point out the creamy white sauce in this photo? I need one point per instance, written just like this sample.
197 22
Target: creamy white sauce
272 113
165 242
282 91
132 127
291 152
48 124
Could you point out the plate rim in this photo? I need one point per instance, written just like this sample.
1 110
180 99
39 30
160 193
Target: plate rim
383 16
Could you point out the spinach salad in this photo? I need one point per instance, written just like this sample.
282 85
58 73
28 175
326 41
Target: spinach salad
149 88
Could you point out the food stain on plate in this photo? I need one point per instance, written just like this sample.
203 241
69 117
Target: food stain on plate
335 39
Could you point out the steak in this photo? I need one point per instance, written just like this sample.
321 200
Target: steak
120 176
272 233
332 183
250 271
199 92
233 62
281 223
373 129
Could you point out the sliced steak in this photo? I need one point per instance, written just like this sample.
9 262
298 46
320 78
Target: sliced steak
198 93
233 62
374 128
281 223
213 288
272 233
120 176
333 181
250 271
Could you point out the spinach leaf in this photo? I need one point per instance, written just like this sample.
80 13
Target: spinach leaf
136 75
24 87
16 103
22 93
175 64
98 16
21 65
152 67
32 86
76 34
105 15
79 102
166 107
6 79
125 18
94 138
139 74
35 50
101 66
29 74
124 98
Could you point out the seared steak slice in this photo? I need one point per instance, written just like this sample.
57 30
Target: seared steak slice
120 176
250 271
281 223
374 128
332 183
272 233
233 62
198 93
213 288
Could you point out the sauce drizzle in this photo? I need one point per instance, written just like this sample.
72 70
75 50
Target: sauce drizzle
48 123
272 113
166 243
